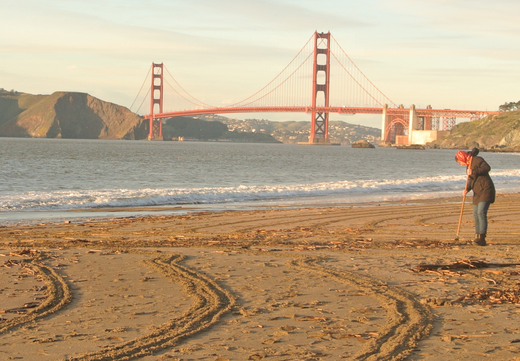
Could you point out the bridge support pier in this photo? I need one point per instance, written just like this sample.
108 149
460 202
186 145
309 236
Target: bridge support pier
413 124
320 89
156 98
394 127
401 127
386 120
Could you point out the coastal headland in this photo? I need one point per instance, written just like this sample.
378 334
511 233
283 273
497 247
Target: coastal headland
377 281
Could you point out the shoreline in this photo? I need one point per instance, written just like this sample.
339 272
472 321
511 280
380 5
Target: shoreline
321 283
15 218
155 215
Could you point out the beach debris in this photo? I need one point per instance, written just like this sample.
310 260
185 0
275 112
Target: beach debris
269 250
450 338
271 341
418 243
24 252
436 301
464 264
287 328
311 318
489 296
493 296
257 356
31 304
490 280
115 338
20 263
17 310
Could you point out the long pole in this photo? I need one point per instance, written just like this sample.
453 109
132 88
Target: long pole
463 200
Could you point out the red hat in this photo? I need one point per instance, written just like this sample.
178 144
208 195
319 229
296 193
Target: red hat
463 157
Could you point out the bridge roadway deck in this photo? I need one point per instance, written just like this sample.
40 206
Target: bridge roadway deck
338 110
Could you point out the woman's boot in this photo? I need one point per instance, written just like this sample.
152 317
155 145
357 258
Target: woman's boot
480 240
483 239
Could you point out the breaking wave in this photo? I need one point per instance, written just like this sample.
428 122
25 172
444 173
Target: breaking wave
345 191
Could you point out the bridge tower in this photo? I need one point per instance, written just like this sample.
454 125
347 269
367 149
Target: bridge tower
156 98
320 89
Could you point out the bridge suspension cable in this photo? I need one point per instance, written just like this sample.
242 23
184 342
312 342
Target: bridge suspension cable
291 87
194 100
139 92
360 80
290 71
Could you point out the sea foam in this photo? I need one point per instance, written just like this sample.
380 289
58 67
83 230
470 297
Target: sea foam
372 189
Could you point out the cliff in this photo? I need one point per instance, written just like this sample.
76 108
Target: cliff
500 131
67 115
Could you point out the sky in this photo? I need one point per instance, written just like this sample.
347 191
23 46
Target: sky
456 54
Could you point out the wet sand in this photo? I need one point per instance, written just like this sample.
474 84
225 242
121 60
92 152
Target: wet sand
328 283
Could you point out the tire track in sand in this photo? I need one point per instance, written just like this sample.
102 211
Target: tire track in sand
58 294
210 302
408 321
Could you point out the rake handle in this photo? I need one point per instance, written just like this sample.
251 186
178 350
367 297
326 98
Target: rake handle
461 212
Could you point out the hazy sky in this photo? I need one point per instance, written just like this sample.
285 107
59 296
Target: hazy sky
457 54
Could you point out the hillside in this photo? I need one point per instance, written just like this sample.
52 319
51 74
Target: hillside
293 132
66 115
498 132
195 128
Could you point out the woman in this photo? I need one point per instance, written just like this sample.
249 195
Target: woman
483 190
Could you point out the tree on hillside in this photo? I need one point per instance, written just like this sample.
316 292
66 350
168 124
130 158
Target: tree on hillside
508 107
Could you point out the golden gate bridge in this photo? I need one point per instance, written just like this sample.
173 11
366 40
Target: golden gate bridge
321 79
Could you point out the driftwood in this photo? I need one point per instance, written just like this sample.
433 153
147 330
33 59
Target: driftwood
461 264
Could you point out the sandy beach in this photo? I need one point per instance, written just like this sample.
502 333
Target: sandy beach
378 281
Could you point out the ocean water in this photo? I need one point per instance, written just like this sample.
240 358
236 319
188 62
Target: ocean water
54 179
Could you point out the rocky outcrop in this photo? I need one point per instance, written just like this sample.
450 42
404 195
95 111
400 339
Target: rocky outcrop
362 144
68 115
494 132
